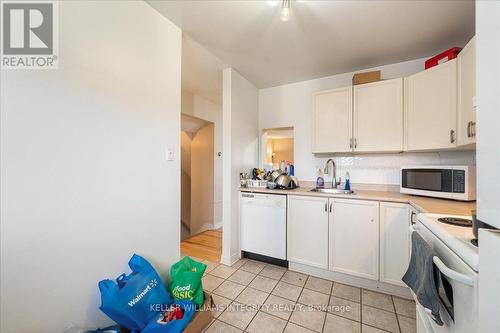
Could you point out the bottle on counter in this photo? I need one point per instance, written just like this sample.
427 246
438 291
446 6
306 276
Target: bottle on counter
320 180
347 185
283 166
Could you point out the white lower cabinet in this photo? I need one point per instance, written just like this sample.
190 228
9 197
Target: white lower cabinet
394 241
307 230
354 238
362 238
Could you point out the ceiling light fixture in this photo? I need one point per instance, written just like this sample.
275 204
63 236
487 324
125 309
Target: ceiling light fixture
285 10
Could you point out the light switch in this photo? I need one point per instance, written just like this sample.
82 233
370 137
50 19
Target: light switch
170 155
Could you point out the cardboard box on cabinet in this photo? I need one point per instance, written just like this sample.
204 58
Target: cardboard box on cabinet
366 77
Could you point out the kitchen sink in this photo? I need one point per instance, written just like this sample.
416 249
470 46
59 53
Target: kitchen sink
332 190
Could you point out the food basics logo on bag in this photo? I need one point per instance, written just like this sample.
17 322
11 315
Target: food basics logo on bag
183 292
153 283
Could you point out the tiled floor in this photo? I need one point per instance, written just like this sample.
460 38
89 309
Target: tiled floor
257 297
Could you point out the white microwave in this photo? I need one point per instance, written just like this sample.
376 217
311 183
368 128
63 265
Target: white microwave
449 182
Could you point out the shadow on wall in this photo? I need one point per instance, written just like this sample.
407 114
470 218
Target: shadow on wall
197 181
186 138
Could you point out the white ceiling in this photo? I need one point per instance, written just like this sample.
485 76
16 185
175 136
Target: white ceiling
322 38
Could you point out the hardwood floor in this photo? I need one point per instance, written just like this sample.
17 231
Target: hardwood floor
206 245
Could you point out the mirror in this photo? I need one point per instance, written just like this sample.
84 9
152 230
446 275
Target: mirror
277 148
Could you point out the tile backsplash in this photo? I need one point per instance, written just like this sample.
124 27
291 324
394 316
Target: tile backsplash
385 168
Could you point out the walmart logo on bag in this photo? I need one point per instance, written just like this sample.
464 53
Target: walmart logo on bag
183 292
153 283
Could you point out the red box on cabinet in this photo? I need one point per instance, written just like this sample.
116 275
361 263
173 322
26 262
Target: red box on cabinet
440 58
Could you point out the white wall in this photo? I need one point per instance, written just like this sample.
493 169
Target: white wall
290 105
488 159
202 179
240 137
199 107
85 181
201 70
185 184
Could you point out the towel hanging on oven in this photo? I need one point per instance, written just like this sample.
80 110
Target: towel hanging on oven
421 276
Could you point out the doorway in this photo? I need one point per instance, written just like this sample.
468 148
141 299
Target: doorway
277 148
200 237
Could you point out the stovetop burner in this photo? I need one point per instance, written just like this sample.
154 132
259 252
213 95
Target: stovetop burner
456 221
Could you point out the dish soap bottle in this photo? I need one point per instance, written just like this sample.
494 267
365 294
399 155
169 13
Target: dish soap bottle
320 180
347 185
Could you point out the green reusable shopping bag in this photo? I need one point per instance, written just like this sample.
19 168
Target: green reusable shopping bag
186 280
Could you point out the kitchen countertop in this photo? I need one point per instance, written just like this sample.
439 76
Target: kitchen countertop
422 204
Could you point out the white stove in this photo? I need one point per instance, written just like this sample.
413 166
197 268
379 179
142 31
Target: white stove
457 261
458 238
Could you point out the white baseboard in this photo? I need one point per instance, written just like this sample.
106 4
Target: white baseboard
207 226
352 280
229 261
204 227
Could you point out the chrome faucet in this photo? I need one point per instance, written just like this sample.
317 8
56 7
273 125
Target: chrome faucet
334 176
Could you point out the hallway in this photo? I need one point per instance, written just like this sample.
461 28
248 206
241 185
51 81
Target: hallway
206 245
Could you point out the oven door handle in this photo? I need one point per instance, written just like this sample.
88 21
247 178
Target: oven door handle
452 274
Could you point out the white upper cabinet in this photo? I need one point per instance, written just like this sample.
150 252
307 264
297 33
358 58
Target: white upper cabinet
429 111
394 241
331 119
378 116
431 108
466 116
354 238
307 230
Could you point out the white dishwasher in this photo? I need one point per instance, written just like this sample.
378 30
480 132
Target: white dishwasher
263 224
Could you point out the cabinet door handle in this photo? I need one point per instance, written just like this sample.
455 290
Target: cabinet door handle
412 221
473 129
326 207
355 143
468 129
452 136
350 143
331 204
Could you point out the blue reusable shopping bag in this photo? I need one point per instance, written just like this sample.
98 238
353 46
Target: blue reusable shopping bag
109 329
157 326
131 300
